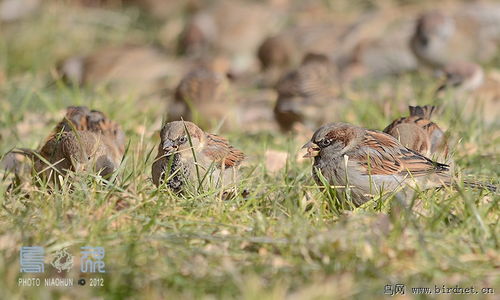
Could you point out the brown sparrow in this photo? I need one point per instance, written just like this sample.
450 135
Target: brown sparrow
200 94
377 45
419 133
186 154
83 136
286 49
81 118
125 69
369 162
476 93
232 28
306 94
75 151
470 34
462 76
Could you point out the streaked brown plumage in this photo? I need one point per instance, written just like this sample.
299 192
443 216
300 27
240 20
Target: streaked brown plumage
83 137
419 133
177 164
74 151
370 162
81 118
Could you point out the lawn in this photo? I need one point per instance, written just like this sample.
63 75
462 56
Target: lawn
286 239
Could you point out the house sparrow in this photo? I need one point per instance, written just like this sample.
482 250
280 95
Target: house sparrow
125 69
468 34
376 45
307 94
419 133
232 28
285 49
83 138
75 151
463 76
81 118
186 154
200 96
476 93
369 162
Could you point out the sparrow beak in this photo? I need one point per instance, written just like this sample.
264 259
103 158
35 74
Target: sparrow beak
169 146
312 150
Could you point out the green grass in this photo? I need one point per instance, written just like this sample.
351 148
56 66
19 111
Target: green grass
286 239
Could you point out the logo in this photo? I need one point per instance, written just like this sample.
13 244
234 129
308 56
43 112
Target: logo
31 259
63 261
91 260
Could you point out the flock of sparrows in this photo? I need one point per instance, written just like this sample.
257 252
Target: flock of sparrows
364 162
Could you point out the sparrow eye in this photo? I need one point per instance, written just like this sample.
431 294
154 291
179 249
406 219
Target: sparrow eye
182 140
325 143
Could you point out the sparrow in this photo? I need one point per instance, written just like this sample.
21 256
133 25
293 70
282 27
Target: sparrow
276 52
475 92
468 34
81 118
376 45
201 95
84 138
419 133
286 49
188 155
369 162
125 69
462 76
76 151
232 28
307 94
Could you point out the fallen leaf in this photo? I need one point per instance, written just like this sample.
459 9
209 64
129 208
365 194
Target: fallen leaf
275 160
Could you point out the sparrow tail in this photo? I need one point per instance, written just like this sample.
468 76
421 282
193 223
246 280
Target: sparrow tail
480 185
422 111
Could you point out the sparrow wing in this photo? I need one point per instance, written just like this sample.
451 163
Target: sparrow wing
220 151
394 123
381 154
421 122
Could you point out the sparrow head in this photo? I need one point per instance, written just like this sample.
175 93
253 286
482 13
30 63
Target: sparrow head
86 147
75 119
175 136
333 140
464 76
433 25
198 34
275 51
